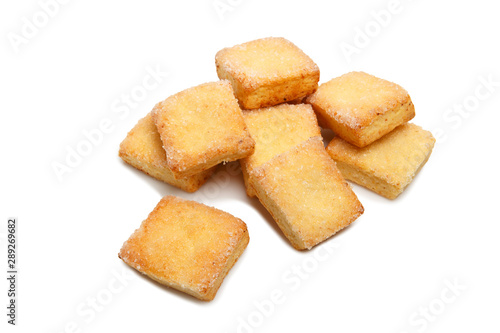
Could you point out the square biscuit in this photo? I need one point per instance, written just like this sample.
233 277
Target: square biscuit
142 149
388 165
187 246
361 108
275 130
306 194
267 71
201 127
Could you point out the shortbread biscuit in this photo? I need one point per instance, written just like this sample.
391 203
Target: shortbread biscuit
142 149
267 71
187 246
201 127
361 108
388 165
275 130
306 194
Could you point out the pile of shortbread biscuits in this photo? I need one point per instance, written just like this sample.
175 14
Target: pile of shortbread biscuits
265 112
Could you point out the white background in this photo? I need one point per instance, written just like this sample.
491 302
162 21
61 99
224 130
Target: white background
390 264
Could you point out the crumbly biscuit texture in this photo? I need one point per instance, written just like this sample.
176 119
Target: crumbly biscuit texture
187 246
306 194
361 108
201 127
267 72
142 148
388 165
275 130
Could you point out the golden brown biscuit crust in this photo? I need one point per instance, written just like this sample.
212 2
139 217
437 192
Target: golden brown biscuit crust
143 149
187 246
388 165
306 194
361 108
267 71
201 127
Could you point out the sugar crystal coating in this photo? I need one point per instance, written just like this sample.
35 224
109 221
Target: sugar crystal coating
187 246
267 72
306 194
388 165
201 127
361 108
